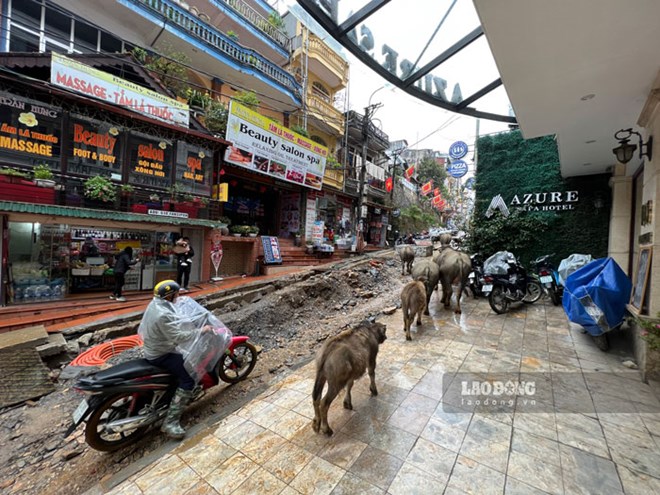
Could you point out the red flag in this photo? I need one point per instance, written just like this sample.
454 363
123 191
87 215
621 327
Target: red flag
427 188
389 184
436 191
410 171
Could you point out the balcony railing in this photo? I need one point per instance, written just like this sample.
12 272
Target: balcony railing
355 120
259 21
323 109
220 42
339 65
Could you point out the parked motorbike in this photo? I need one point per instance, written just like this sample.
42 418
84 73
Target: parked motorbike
549 278
476 276
125 400
514 286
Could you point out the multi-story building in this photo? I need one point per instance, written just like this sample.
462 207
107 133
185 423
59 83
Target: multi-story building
225 48
367 146
324 73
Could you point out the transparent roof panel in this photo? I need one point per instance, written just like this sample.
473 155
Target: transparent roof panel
433 49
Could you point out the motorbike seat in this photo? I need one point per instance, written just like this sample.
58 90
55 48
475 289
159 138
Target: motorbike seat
124 371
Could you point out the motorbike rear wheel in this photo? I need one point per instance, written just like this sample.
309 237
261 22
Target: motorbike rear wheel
121 406
498 300
534 292
237 365
554 296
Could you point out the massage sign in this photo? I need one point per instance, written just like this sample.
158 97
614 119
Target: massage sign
28 129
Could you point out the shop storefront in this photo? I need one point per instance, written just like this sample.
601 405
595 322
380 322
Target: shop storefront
375 226
334 211
119 179
48 259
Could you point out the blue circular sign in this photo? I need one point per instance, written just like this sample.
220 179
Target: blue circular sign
458 150
457 168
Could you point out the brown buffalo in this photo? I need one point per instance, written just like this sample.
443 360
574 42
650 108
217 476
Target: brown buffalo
454 267
413 301
407 255
431 274
342 360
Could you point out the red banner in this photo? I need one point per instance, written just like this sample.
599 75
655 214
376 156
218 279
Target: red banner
436 191
427 188
410 171
436 200
389 184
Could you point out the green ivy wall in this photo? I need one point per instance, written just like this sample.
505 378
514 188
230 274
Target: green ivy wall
509 165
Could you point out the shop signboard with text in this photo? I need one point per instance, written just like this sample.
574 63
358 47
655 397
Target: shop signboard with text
80 78
95 147
194 168
264 146
150 161
30 132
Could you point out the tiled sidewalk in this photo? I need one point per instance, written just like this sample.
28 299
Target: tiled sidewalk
594 427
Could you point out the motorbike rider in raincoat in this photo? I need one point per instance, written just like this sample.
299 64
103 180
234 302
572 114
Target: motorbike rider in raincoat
161 332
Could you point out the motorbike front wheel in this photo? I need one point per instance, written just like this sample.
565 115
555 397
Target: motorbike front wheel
498 300
236 365
117 407
534 292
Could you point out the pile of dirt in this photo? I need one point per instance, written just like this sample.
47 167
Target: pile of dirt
288 324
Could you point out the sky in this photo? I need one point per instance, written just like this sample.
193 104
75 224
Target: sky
408 30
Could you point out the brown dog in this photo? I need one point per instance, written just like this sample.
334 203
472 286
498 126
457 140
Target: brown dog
413 301
342 360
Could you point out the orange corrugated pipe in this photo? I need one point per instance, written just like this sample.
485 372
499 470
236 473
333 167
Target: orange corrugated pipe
99 354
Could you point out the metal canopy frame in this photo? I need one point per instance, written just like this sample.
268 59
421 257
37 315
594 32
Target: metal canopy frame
341 34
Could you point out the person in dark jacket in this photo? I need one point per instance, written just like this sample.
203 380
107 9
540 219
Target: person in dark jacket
184 254
124 263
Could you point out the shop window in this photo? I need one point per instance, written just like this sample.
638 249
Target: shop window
28 13
22 40
85 36
38 262
110 44
57 27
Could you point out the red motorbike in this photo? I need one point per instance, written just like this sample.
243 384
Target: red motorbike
125 400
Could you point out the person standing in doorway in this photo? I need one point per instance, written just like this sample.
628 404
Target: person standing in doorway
123 263
184 254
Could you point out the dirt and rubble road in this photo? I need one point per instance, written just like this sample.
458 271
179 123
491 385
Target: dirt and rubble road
289 321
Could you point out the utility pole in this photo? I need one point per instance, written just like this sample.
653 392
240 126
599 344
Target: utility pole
363 169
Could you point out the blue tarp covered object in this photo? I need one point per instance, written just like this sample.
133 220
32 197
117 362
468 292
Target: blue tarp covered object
595 296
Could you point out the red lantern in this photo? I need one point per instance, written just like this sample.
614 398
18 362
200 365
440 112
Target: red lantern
388 184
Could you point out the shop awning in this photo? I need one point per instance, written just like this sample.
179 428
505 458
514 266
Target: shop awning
73 212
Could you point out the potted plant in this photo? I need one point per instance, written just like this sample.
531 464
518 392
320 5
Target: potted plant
309 247
126 189
9 174
296 238
252 230
43 176
223 225
236 230
100 189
